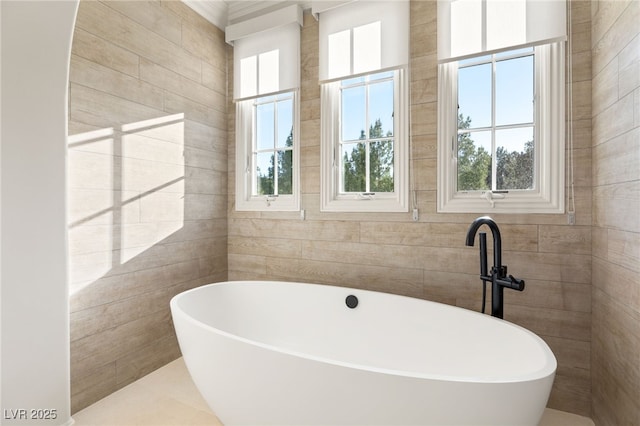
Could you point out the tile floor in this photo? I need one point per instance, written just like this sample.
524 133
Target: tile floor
168 397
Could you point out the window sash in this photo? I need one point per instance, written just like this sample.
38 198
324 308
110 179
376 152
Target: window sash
332 198
493 128
247 197
366 83
275 149
548 196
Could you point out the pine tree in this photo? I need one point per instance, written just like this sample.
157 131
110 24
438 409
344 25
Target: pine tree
266 185
473 162
380 162
515 169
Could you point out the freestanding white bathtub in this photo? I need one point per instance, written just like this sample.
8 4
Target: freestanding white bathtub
294 354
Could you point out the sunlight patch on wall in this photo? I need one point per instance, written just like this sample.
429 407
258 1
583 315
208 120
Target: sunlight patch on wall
90 212
126 194
153 170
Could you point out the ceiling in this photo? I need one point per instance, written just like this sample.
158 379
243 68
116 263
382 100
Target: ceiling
224 12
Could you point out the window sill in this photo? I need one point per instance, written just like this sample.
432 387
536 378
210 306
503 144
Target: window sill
262 204
354 204
511 204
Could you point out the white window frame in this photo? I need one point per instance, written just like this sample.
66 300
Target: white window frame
549 135
245 167
332 200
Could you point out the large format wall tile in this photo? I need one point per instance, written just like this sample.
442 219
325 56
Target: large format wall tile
147 183
615 340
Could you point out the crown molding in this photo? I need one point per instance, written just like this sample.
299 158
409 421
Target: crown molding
214 11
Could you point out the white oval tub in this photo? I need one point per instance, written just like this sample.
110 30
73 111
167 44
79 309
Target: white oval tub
294 354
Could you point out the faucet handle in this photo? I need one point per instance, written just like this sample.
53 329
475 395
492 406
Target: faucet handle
516 283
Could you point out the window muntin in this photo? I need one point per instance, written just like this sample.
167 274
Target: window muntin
267 153
367 138
272 146
496 122
463 148
364 143
266 83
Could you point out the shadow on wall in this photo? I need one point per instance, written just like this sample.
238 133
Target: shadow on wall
142 227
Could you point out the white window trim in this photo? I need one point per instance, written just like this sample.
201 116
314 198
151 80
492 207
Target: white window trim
330 198
245 131
548 196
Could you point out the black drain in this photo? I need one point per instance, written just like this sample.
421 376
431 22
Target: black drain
351 301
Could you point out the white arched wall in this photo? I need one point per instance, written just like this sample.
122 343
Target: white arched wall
36 44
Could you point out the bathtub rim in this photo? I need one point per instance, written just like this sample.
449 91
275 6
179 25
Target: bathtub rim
548 371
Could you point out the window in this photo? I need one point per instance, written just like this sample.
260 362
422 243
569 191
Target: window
268 156
266 83
501 141
500 109
364 147
366 135
496 146
364 53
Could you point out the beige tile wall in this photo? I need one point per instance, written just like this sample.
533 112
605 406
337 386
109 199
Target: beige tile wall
616 212
428 259
149 214
147 183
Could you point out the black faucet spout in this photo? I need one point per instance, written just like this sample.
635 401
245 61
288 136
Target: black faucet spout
495 233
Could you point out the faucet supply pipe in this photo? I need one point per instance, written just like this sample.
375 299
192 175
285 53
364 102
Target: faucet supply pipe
483 267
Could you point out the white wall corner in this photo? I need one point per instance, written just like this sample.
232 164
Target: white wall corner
36 47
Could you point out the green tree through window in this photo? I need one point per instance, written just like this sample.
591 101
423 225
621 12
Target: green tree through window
380 162
514 170
474 163
285 171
